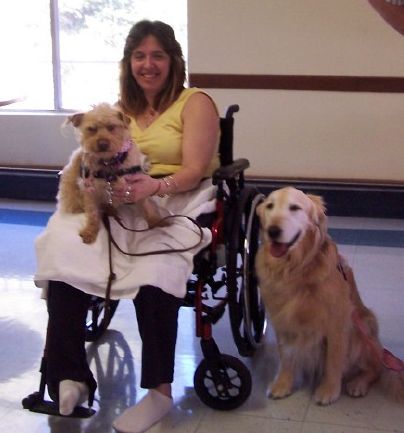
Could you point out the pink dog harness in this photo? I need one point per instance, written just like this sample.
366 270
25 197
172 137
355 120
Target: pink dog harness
111 168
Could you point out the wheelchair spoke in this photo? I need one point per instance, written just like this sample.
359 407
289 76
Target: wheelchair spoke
246 310
229 385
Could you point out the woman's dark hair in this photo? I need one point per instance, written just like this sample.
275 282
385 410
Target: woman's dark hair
132 98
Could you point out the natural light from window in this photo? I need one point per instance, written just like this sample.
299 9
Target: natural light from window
88 38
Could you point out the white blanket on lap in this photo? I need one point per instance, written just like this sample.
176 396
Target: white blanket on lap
62 255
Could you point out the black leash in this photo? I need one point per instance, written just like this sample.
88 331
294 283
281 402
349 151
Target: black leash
153 252
111 241
111 276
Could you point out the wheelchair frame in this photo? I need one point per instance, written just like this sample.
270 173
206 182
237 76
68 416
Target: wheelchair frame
221 381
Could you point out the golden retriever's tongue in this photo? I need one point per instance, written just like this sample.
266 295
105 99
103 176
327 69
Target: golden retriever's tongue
278 249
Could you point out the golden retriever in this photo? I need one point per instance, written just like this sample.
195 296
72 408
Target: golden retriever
323 329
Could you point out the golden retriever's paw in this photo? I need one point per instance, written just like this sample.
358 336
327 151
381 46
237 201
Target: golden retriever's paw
358 387
279 389
326 394
88 236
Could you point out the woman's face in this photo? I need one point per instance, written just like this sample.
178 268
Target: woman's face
150 66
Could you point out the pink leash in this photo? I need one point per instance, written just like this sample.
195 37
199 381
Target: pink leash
388 360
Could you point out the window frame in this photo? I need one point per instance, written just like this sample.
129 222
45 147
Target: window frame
58 96
56 65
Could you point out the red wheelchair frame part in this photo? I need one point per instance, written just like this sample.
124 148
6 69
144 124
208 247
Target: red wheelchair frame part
202 322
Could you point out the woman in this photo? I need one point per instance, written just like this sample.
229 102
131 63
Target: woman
178 130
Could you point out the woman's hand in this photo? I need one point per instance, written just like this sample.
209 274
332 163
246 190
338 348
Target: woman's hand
135 187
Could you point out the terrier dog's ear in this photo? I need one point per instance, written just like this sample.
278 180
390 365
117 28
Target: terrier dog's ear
125 119
75 119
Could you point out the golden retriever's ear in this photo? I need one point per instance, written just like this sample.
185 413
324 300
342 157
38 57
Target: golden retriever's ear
260 209
318 209
75 119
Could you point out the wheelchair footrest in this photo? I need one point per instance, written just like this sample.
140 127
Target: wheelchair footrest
35 403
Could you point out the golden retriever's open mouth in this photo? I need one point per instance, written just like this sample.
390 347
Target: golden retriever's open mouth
279 249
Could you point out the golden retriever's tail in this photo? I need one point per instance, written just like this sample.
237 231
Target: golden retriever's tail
392 377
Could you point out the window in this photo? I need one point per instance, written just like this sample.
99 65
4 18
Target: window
64 54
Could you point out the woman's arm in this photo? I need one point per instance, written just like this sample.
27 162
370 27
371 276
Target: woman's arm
199 142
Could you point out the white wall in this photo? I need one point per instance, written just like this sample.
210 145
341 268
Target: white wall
322 37
37 140
325 135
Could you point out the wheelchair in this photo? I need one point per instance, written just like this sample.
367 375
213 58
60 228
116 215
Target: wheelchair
223 279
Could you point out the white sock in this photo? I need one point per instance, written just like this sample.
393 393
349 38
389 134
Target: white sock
71 394
139 418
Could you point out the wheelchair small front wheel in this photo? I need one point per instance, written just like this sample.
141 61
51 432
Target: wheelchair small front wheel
224 384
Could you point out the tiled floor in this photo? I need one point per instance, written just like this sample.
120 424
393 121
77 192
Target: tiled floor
375 248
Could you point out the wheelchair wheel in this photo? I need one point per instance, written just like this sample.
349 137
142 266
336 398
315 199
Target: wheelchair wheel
225 386
97 323
246 308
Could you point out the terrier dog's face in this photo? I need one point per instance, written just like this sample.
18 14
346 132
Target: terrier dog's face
103 130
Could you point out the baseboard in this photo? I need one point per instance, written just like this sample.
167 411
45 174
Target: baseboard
28 184
358 199
355 199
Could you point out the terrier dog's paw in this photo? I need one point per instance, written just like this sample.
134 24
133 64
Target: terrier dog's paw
88 236
326 394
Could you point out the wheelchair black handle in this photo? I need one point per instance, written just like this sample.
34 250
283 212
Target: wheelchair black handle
230 171
231 109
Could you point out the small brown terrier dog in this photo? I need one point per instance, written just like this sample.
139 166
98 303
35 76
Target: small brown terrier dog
106 153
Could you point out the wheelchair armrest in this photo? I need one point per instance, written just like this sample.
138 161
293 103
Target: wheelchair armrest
230 171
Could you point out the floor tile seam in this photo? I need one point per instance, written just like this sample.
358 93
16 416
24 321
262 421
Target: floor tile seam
308 405
355 426
201 420
301 426
249 414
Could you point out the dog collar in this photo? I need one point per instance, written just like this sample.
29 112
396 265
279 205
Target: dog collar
119 158
110 174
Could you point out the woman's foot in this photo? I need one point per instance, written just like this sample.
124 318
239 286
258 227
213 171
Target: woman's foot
139 418
71 394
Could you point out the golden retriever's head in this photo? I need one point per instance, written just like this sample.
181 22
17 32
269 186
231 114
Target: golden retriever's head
287 216
103 130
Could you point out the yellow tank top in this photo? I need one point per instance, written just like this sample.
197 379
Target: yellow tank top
161 142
